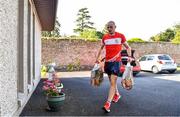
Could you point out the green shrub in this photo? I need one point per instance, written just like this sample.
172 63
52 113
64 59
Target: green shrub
75 66
176 39
89 34
135 40
70 67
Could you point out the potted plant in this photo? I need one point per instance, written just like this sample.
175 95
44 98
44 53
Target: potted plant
48 69
54 92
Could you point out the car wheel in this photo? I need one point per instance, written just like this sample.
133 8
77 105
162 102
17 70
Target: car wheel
155 69
134 74
171 71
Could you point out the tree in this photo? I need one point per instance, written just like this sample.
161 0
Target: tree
166 36
55 32
152 38
104 31
177 26
177 35
83 21
99 34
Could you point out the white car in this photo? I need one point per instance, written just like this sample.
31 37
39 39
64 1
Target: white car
157 63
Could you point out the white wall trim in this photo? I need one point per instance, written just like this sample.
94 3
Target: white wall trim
18 112
35 12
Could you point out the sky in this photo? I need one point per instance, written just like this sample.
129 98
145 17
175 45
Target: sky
133 18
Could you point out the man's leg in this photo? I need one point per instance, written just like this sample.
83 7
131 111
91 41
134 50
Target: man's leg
112 89
117 95
116 91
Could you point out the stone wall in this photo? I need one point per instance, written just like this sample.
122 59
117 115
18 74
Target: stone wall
69 52
158 48
74 52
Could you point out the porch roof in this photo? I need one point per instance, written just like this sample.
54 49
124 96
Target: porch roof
46 10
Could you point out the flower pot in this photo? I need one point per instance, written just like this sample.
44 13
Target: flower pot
59 88
54 102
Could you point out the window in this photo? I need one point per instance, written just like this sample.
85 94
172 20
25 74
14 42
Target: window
150 58
20 46
164 57
33 42
29 44
143 58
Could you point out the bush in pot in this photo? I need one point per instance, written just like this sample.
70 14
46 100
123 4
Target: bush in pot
53 90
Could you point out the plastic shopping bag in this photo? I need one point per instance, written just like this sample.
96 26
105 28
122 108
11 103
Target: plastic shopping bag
127 78
96 75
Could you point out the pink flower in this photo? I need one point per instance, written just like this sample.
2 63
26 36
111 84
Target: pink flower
50 83
47 81
55 90
50 86
45 88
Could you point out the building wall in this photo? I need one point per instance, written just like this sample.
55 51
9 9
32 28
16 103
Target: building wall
31 55
8 56
16 57
66 52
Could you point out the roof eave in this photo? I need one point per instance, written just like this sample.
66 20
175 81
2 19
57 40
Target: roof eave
46 10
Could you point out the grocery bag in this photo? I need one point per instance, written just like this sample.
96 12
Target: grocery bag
96 75
127 78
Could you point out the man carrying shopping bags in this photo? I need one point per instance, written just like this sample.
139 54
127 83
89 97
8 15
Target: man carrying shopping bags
113 41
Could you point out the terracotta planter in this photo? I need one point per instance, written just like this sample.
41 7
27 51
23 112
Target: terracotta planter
54 102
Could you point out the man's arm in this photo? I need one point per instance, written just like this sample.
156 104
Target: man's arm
99 52
128 48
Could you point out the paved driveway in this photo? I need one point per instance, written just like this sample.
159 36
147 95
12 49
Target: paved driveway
152 95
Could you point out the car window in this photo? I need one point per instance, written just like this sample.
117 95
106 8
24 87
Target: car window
150 58
164 57
143 58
